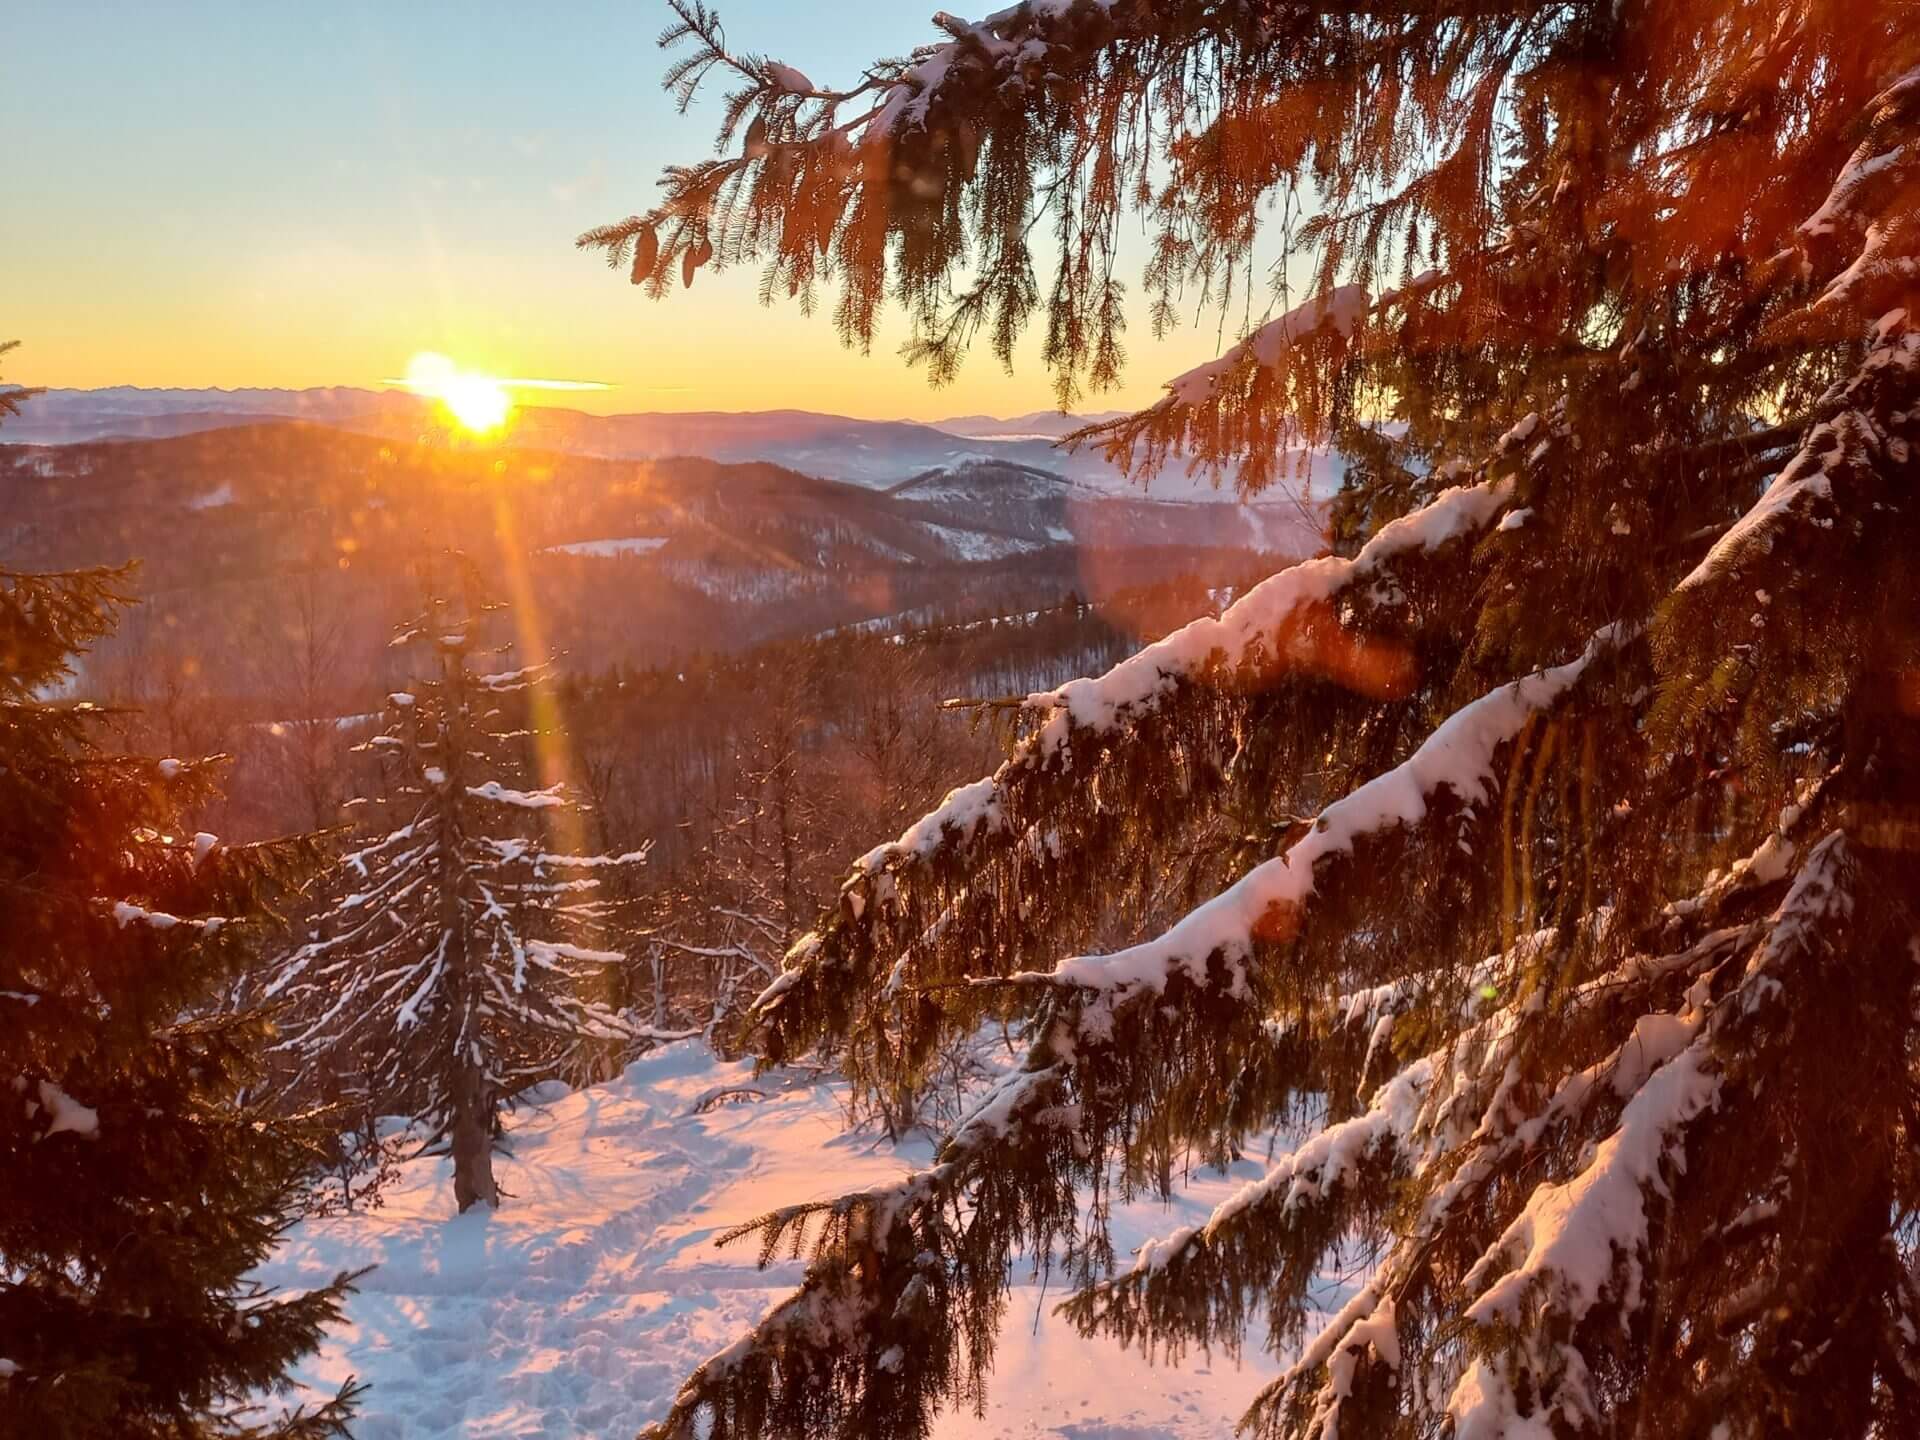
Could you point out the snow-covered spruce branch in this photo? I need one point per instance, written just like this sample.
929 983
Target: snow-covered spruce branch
1775 605
1653 1083
1267 1240
1866 219
1866 435
1271 900
1308 1400
1584 1242
1185 993
1082 729
1262 1248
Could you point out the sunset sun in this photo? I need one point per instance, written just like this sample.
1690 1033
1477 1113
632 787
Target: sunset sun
478 402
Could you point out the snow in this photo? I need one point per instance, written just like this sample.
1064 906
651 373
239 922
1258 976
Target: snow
511 679
578 1307
976 546
551 950
1575 1240
1377 1331
608 549
1807 478
1005 37
793 81
1484 1408
69 1115
525 799
1570 1236
1816 900
1327 1159
214 499
964 810
1865 163
126 913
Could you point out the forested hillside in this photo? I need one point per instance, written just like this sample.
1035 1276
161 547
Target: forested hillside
249 536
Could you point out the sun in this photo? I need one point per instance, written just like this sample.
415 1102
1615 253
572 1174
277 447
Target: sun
480 403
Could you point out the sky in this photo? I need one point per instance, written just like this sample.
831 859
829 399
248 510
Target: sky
237 194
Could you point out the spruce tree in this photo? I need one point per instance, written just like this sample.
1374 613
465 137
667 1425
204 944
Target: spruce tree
1551 845
456 955
136 1189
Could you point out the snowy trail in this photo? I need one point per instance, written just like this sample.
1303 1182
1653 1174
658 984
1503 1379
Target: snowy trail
578 1307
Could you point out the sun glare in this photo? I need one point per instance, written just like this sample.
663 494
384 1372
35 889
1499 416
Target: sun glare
479 402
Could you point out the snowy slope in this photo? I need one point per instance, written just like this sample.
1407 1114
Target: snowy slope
578 1307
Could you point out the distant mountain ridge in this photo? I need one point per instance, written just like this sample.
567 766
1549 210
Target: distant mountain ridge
1047 424
878 454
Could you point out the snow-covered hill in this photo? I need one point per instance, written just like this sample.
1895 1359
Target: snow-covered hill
577 1308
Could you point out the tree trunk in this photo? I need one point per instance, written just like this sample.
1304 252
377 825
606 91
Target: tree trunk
472 1145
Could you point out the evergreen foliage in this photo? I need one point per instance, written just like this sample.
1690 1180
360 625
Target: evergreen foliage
137 1190
12 397
457 953
1548 854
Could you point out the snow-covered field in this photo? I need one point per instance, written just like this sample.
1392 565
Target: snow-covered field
576 1309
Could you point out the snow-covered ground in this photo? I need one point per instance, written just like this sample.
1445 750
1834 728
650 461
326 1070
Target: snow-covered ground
576 1309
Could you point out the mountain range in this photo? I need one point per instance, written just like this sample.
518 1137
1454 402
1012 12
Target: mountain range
246 529
873 453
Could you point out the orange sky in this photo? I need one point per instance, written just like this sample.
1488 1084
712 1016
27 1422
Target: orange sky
227 194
